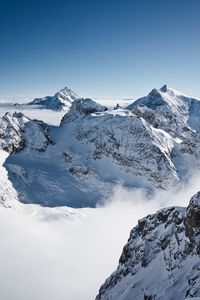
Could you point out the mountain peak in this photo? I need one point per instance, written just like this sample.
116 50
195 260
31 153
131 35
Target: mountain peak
164 88
62 100
154 92
67 91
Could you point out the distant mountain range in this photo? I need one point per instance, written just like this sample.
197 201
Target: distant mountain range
153 143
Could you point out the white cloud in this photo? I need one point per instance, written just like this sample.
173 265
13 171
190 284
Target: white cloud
64 259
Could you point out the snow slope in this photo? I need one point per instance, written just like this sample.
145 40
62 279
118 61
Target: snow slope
149 145
161 259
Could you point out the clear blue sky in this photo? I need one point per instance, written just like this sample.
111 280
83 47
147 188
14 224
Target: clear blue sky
104 48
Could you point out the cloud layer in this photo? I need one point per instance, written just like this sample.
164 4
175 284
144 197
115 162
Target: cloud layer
69 260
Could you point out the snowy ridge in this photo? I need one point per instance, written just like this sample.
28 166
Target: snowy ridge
60 101
169 110
155 143
161 260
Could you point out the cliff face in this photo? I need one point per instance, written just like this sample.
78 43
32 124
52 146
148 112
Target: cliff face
161 259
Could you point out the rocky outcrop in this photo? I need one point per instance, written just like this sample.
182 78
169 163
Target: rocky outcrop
11 129
18 131
192 223
161 259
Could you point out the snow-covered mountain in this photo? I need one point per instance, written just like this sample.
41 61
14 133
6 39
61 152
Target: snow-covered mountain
60 101
161 260
170 110
153 143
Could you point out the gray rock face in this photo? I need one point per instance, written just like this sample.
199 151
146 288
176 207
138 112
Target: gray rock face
192 222
11 128
161 259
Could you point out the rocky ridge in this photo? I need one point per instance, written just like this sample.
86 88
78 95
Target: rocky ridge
161 260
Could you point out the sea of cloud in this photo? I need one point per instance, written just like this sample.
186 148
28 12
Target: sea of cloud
46 115
69 259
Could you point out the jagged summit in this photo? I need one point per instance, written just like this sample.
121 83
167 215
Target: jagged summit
62 100
167 89
67 93
164 88
163 96
169 110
